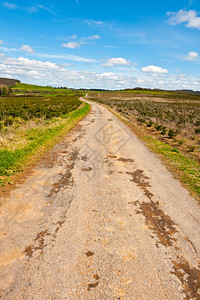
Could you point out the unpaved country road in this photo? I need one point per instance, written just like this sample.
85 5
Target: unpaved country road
100 218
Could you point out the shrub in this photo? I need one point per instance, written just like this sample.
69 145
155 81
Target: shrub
175 150
171 133
197 130
4 90
191 148
150 124
180 142
158 127
164 130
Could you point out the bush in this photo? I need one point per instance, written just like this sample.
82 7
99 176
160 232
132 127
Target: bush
180 142
150 124
171 133
175 150
197 130
191 148
158 127
9 121
4 90
164 130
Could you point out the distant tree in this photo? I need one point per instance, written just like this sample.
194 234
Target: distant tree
5 90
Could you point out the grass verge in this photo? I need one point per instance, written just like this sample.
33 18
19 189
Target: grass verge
40 140
187 169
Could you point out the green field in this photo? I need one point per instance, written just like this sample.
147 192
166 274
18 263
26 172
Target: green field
14 109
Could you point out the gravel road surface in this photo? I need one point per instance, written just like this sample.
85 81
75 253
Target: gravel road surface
100 217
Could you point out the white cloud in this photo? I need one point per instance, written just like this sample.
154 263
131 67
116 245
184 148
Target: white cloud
192 56
154 69
94 37
50 73
183 16
116 61
31 64
68 57
110 46
27 48
1 42
6 49
95 23
71 45
73 36
39 6
10 5
30 9
67 65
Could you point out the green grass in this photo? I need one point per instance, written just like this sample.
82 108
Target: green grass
31 87
148 92
40 140
188 170
44 90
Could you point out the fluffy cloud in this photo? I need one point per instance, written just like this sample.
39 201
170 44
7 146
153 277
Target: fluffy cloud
71 45
183 16
154 69
50 73
192 56
1 42
94 37
26 63
116 61
27 48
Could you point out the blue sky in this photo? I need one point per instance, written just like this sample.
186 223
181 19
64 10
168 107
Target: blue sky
102 44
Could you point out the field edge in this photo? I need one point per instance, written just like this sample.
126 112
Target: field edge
26 164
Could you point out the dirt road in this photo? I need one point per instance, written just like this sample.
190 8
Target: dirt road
100 217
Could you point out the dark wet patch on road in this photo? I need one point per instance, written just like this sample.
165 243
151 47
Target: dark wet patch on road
94 285
112 156
110 172
66 178
88 169
84 157
189 277
29 251
96 276
125 159
40 239
140 179
158 222
89 253
64 181
65 152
